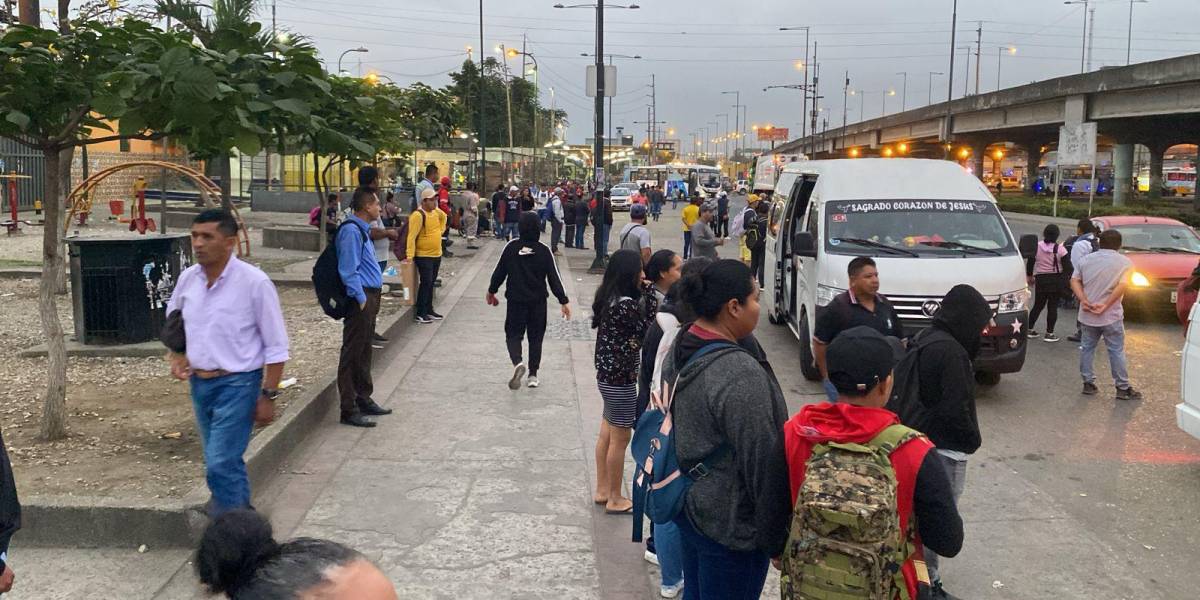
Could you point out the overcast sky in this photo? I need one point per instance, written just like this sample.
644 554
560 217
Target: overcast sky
699 48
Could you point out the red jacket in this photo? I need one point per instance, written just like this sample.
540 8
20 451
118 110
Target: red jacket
819 423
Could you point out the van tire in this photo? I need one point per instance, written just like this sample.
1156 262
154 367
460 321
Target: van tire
987 378
808 364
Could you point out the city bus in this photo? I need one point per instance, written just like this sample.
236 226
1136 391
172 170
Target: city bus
702 177
1177 181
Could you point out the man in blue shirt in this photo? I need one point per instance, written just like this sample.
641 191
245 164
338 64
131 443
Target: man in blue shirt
431 175
363 279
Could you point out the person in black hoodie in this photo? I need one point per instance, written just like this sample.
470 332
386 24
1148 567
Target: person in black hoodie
946 383
10 516
528 266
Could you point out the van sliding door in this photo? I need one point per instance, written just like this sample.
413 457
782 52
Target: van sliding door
796 274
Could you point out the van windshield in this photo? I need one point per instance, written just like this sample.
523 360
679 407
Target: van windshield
924 228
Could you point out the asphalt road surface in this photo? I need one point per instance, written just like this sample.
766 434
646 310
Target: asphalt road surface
1070 496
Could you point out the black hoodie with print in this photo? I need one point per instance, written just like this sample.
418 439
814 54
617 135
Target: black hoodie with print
947 377
528 265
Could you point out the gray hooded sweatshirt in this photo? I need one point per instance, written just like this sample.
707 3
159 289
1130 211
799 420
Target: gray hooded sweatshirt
745 502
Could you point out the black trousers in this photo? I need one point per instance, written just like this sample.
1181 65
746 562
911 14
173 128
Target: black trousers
556 228
525 319
570 239
757 262
1047 292
722 228
427 273
354 362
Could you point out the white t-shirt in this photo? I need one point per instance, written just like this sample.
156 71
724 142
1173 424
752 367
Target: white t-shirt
634 236
382 245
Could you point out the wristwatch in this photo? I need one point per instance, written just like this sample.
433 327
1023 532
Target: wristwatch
270 394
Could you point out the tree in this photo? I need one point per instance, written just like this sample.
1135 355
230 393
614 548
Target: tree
525 105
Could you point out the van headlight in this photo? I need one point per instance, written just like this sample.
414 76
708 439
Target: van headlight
826 294
1015 301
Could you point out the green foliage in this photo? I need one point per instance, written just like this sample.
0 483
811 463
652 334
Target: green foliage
525 105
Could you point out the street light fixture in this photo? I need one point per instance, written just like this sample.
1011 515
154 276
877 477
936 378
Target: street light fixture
929 99
339 62
1083 49
1012 50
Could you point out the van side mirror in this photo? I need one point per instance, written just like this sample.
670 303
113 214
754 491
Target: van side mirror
1028 245
804 245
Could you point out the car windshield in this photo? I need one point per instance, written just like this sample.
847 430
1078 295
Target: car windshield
1159 238
622 190
924 228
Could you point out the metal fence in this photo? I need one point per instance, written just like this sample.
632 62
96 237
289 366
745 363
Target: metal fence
22 160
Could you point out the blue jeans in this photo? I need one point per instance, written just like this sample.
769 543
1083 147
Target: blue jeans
225 417
830 392
667 546
713 572
1114 340
687 245
579 230
509 231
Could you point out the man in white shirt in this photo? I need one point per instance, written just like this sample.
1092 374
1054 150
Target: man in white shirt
1099 283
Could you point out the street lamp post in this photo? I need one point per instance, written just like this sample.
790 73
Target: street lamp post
737 123
804 108
999 55
1083 49
1129 38
598 107
904 94
726 137
482 115
929 98
610 100
513 53
343 55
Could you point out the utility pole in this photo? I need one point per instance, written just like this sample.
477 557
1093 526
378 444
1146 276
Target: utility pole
1091 35
1083 40
523 55
653 120
815 88
904 92
598 130
845 99
978 50
482 115
950 78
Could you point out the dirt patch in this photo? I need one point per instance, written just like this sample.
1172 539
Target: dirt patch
131 425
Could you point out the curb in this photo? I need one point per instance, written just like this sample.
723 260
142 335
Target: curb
89 522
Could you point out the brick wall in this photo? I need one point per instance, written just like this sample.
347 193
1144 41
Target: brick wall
119 186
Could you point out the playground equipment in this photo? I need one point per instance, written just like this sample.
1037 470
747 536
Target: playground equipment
13 224
140 223
79 200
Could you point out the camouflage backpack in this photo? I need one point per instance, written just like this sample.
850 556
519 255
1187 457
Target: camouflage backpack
845 541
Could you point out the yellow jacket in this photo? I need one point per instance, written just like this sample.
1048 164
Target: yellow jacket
425 233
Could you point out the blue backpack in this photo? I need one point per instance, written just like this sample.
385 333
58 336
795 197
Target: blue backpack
659 485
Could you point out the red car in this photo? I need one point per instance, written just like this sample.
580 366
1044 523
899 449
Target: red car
1164 254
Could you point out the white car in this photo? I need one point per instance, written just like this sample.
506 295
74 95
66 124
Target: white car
1187 413
622 196
742 186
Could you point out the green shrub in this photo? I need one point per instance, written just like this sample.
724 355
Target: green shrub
1068 209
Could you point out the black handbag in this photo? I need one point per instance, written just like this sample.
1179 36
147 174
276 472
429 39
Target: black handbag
173 335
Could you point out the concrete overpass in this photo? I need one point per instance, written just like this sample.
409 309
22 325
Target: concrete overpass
1156 104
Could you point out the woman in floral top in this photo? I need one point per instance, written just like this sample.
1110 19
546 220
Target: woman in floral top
622 311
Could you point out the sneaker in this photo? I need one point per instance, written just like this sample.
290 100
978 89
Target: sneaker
1033 335
1090 389
651 558
518 373
533 381
670 591
380 339
422 319
1128 394
435 316
377 346
1050 337
1075 338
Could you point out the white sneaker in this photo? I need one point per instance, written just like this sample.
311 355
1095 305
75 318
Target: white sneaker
670 591
651 558
533 381
518 373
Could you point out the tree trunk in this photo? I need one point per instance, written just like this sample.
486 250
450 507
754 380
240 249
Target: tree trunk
54 402
320 195
226 174
64 167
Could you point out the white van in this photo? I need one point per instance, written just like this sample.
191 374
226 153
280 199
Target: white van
929 225
1187 413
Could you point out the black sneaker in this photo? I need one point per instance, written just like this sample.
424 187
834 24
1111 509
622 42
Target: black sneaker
1090 389
1128 394
1033 335
937 592
380 339
1050 337
434 316
1075 337
422 319
356 419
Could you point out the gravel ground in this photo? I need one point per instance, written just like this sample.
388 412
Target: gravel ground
131 428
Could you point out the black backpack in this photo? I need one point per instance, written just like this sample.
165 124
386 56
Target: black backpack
1067 267
906 399
327 282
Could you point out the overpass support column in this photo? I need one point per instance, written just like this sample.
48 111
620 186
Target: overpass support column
1122 174
976 160
1033 159
1156 171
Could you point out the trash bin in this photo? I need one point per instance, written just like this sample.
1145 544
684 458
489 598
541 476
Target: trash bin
120 285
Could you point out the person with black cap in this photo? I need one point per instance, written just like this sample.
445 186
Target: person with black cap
635 236
945 387
860 363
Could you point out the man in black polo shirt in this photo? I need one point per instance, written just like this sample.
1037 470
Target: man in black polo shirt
862 304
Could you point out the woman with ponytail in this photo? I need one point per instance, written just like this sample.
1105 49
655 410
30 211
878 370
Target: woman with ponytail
239 557
728 415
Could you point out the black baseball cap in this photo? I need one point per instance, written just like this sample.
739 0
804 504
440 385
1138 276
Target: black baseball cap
860 358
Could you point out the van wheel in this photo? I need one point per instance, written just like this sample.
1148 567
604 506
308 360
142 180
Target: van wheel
808 364
987 378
